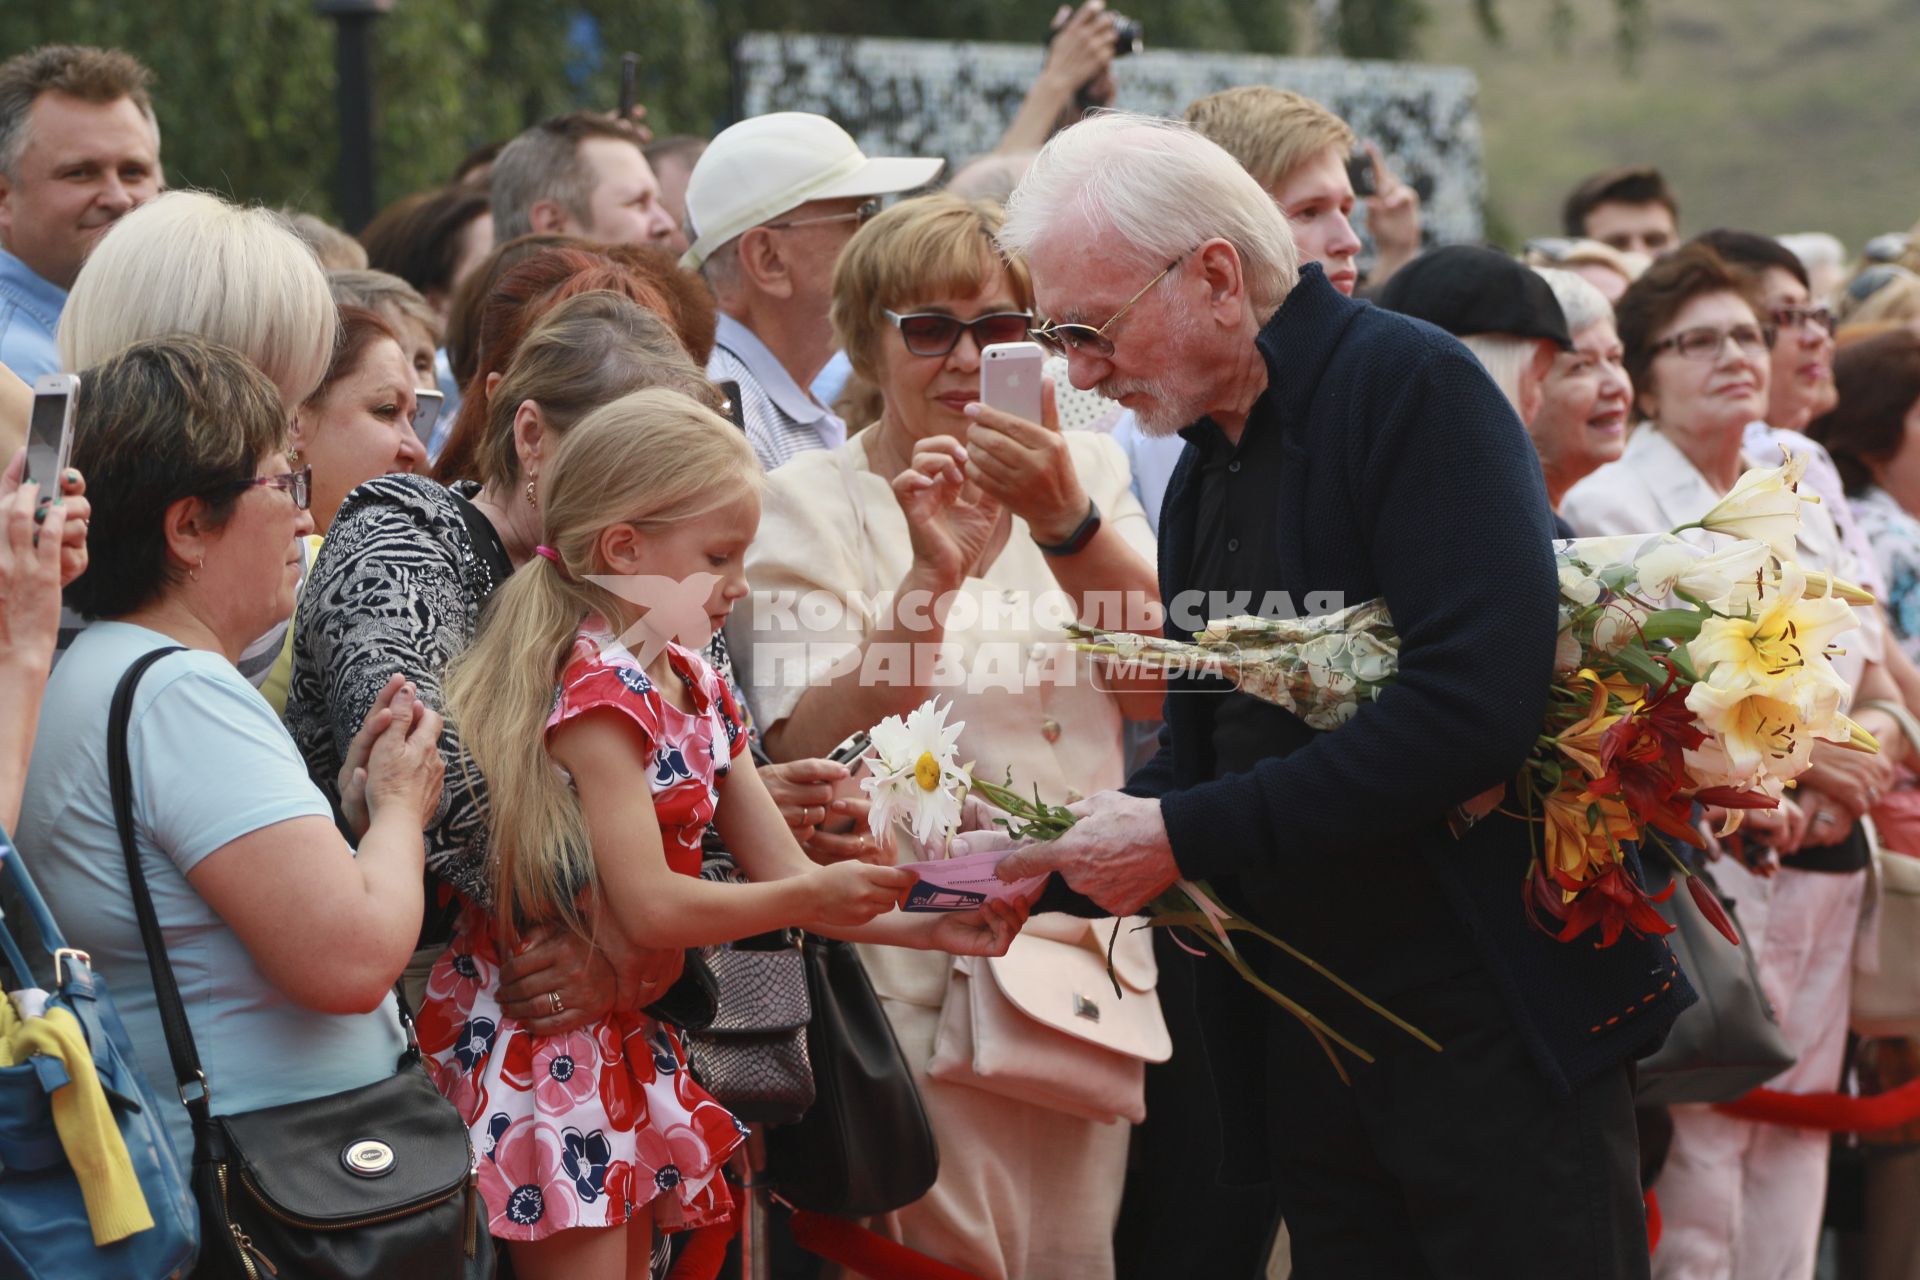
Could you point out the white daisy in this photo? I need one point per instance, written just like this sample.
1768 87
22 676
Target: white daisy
915 779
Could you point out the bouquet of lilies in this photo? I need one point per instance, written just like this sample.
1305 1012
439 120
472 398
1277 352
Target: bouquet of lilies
1683 674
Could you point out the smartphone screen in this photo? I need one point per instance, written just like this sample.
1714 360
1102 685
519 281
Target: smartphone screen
50 428
427 406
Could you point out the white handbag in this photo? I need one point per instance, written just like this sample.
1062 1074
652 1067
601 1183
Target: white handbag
1886 994
1041 1024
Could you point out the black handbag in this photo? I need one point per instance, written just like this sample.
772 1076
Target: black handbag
375 1181
865 1147
1726 1043
752 1057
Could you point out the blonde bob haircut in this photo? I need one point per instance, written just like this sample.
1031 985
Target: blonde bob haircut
188 262
652 459
920 252
1271 132
1162 190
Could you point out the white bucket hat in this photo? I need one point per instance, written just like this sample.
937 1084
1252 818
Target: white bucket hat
760 168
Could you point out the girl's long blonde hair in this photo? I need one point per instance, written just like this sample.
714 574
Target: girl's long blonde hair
651 459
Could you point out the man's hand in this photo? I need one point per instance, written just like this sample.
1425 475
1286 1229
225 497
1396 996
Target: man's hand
1117 853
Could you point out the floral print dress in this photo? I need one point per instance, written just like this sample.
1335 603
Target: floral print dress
582 1128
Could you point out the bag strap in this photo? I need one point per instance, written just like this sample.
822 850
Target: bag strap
166 992
13 870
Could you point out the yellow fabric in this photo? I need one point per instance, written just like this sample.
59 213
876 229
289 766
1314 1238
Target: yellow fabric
116 1207
280 679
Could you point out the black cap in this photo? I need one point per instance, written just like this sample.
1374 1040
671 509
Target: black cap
1467 289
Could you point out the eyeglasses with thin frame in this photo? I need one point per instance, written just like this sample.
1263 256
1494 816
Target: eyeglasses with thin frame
1820 318
1707 341
859 217
299 484
1084 338
933 333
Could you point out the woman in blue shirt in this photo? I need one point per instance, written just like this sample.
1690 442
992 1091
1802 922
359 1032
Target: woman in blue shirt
284 942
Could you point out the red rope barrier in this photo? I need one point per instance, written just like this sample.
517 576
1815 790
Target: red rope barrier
1830 1112
873 1256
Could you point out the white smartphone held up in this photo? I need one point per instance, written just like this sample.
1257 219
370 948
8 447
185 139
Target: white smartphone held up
426 412
50 429
1010 378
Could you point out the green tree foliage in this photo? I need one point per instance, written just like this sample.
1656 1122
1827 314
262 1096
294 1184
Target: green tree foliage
246 87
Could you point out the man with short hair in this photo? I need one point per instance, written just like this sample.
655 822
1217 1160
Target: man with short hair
770 205
1344 453
673 158
79 148
579 174
1503 312
1630 208
1298 150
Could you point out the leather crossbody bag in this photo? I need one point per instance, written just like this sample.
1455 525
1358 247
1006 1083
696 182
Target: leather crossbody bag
375 1181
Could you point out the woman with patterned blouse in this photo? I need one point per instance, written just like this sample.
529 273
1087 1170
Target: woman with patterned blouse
1872 435
399 586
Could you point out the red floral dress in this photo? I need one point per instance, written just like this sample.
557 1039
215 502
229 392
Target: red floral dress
580 1129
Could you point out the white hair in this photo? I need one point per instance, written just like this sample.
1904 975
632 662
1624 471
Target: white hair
1162 189
1581 303
1505 357
188 262
1815 249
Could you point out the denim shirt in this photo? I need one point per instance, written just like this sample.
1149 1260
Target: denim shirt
29 311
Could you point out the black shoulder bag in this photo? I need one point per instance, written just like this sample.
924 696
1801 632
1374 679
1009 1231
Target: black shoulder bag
376 1181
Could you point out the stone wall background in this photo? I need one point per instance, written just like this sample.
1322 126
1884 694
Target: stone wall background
924 97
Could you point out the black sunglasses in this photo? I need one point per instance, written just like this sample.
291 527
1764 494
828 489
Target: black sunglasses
931 333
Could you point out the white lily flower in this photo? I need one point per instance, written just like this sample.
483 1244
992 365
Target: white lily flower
915 779
1763 504
1669 564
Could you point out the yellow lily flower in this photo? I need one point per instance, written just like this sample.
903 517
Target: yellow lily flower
1582 835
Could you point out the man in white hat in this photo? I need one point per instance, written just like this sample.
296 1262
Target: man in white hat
770 206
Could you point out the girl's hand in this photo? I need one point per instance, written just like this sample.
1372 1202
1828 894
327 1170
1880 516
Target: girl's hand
404 768
987 931
851 893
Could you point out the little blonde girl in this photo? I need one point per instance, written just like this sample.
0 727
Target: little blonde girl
607 748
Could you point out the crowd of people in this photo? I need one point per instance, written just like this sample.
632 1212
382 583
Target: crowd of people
438 750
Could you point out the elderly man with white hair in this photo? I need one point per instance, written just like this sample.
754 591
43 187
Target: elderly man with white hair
1340 453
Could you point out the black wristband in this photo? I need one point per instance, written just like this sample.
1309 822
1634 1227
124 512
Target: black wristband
1079 538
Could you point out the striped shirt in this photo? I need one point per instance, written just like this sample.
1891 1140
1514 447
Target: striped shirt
781 418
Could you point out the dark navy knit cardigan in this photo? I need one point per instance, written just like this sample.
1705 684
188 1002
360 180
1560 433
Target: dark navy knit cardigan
1408 477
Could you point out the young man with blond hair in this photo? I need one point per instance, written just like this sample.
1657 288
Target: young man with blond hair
1298 150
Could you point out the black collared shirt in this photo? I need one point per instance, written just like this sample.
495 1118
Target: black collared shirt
1232 549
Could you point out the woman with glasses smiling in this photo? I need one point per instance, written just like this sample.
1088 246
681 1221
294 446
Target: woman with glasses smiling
285 941
984 536
1738 1192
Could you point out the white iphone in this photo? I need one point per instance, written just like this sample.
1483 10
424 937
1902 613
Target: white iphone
50 429
1010 378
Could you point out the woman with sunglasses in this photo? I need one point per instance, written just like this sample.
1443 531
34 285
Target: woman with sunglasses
1735 1192
285 941
976 543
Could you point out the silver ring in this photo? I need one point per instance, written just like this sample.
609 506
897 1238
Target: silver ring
553 998
1823 817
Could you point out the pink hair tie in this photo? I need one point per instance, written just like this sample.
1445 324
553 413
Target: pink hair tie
552 555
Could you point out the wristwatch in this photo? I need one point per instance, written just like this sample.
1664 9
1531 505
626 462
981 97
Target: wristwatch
1079 538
